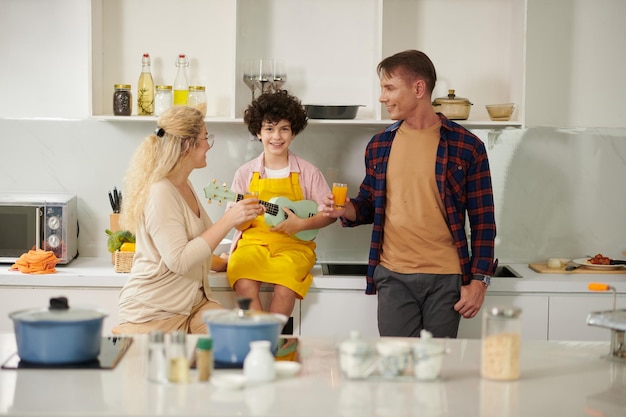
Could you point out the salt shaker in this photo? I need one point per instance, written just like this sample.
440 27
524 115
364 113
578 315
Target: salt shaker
157 357
501 340
178 361
259 364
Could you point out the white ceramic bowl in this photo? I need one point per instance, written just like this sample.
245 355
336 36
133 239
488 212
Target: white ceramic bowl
287 368
228 381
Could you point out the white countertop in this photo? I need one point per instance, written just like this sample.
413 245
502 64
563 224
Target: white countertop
98 272
557 379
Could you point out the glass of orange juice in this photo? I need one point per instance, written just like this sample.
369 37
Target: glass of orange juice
340 192
251 194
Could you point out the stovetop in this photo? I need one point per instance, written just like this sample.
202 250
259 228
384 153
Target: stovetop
112 349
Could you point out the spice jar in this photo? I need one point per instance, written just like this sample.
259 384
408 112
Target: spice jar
197 98
501 341
163 100
178 362
122 100
204 358
157 357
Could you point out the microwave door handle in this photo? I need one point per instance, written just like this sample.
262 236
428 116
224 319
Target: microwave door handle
39 229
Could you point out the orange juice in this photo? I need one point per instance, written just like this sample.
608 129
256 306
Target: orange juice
340 192
251 194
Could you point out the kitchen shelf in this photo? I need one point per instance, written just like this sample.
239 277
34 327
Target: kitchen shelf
486 66
474 124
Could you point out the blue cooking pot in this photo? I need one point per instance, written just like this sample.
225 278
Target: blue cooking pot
58 334
233 330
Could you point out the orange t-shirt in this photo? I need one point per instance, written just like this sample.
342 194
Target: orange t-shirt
416 235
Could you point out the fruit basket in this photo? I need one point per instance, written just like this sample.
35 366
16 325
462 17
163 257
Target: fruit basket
123 261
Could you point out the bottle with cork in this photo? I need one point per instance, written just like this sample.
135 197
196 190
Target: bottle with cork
145 89
181 84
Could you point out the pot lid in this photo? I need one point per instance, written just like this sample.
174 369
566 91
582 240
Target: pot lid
451 99
58 311
242 316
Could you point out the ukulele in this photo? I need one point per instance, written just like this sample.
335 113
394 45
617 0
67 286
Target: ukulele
274 213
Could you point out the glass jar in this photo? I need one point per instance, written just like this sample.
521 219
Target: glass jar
157 357
178 361
122 100
163 100
501 342
197 98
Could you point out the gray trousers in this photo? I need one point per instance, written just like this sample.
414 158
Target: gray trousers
408 303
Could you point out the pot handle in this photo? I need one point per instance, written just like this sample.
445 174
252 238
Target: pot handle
244 305
59 303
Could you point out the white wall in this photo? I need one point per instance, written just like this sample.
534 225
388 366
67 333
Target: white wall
559 192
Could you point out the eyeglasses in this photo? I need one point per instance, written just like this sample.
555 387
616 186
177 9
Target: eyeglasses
210 139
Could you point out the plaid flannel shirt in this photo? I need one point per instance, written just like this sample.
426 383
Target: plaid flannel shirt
464 183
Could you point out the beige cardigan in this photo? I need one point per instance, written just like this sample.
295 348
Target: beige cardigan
171 263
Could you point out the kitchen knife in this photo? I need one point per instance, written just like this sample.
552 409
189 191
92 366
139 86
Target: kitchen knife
571 266
617 262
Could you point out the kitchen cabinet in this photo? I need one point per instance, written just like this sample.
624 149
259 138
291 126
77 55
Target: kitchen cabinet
568 316
331 55
337 312
534 316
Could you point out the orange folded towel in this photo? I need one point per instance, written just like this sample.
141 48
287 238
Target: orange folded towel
36 262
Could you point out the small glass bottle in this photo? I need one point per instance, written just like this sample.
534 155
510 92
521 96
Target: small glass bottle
145 89
204 358
259 364
181 85
501 343
157 357
197 98
163 99
122 100
178 361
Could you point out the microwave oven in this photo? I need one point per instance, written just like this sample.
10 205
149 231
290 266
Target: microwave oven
38 221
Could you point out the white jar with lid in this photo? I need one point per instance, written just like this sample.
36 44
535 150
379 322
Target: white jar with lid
163 100
501 342
259 364
357 358
197 98
427 357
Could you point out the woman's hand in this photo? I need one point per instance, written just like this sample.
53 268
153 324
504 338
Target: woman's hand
244 211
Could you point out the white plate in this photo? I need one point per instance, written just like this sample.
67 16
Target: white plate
287 368
228 381
584 262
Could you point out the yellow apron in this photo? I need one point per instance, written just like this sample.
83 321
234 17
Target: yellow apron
271 257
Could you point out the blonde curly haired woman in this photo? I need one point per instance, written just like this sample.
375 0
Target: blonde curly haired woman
168 286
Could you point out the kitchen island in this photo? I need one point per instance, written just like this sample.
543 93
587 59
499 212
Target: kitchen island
557 379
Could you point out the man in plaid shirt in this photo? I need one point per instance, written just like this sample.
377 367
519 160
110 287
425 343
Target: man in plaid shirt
424 174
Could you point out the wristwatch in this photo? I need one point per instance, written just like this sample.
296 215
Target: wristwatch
485 279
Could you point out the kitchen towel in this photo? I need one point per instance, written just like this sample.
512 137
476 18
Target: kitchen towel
36 262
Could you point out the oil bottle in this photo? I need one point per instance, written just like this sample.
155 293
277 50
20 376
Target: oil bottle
145 89
181 85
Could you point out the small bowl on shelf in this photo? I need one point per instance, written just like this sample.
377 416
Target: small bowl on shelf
500 112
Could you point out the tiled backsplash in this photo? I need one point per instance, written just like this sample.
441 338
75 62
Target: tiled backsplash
558 192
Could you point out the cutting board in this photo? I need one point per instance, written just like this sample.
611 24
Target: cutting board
543 269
